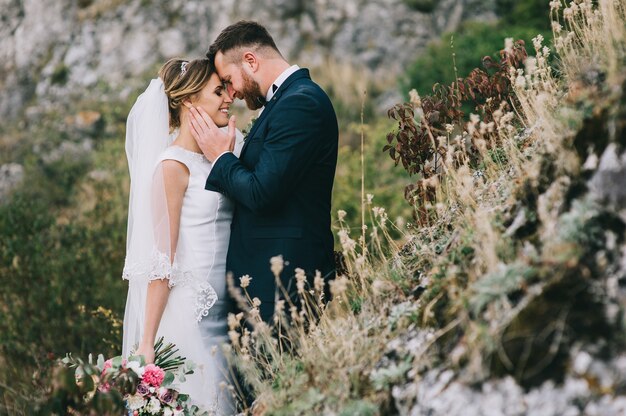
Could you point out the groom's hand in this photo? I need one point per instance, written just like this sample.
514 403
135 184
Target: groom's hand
212 140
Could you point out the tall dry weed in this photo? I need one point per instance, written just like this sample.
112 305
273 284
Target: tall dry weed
467 274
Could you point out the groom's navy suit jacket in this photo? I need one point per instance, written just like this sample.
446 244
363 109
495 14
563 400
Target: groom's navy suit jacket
282 184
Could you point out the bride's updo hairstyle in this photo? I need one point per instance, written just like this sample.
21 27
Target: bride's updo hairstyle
183 79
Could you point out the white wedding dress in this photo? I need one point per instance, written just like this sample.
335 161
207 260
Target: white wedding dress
195 317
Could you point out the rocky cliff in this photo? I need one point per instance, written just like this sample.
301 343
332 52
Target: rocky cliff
53 50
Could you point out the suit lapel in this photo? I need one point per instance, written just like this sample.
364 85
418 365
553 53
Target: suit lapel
301 73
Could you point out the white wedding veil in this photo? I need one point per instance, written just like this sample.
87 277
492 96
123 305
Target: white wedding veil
150 253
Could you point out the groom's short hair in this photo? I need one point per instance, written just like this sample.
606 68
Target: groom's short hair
243 34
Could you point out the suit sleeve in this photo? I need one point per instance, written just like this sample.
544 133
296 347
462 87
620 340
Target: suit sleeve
289 149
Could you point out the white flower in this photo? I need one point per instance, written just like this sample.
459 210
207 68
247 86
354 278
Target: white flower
341 214
508 44
167 411
369 198
136 367
347 243
294 313
300 279
277 263
233 322
255 314
508 117
234 337
279 307
136 401
338 286
568 13
414 98
245 281
154 406
256 302
318 282
531 65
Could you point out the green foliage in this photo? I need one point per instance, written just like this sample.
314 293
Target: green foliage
60 74
530 13
360 407
55 284
463 49
502 283
73 383
84 3
387 376
424 6
401 313
84 387
62 246
382 179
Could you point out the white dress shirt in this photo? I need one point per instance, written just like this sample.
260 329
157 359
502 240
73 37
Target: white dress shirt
278 82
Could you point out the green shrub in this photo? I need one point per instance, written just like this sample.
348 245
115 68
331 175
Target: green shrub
61 288
529 13
382 179
424 6
62 247
469 45
60 74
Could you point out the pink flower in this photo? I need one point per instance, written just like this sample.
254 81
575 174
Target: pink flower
153 375
107 364
104 388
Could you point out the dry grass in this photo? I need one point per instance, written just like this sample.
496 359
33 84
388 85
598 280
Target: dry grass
467 261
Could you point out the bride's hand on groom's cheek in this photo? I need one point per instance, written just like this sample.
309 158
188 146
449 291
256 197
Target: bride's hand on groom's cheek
212 140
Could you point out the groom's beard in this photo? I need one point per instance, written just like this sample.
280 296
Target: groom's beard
252 93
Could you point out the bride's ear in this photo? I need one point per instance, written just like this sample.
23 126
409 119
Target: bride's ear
187 103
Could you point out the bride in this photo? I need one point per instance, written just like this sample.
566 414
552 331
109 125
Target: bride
178 232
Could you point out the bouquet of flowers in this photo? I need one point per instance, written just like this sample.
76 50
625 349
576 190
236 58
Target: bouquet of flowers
145 389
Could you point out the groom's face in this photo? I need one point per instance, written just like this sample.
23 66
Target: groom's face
239 84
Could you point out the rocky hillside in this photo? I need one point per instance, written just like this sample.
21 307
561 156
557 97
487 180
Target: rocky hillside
54 51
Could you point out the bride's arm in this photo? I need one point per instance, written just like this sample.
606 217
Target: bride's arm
175 179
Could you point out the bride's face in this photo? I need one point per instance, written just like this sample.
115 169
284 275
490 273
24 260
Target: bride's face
214 99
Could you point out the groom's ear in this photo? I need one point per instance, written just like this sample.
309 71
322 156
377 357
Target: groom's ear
250 59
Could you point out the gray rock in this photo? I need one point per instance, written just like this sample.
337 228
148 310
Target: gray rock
441 392
53 51
11 175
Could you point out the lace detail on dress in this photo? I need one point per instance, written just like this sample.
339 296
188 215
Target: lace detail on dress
161 267
183 155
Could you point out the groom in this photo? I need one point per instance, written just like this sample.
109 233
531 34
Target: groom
282 181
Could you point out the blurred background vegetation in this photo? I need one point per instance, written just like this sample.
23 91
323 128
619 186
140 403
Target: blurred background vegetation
63 231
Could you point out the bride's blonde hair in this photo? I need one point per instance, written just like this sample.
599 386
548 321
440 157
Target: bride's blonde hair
183 79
